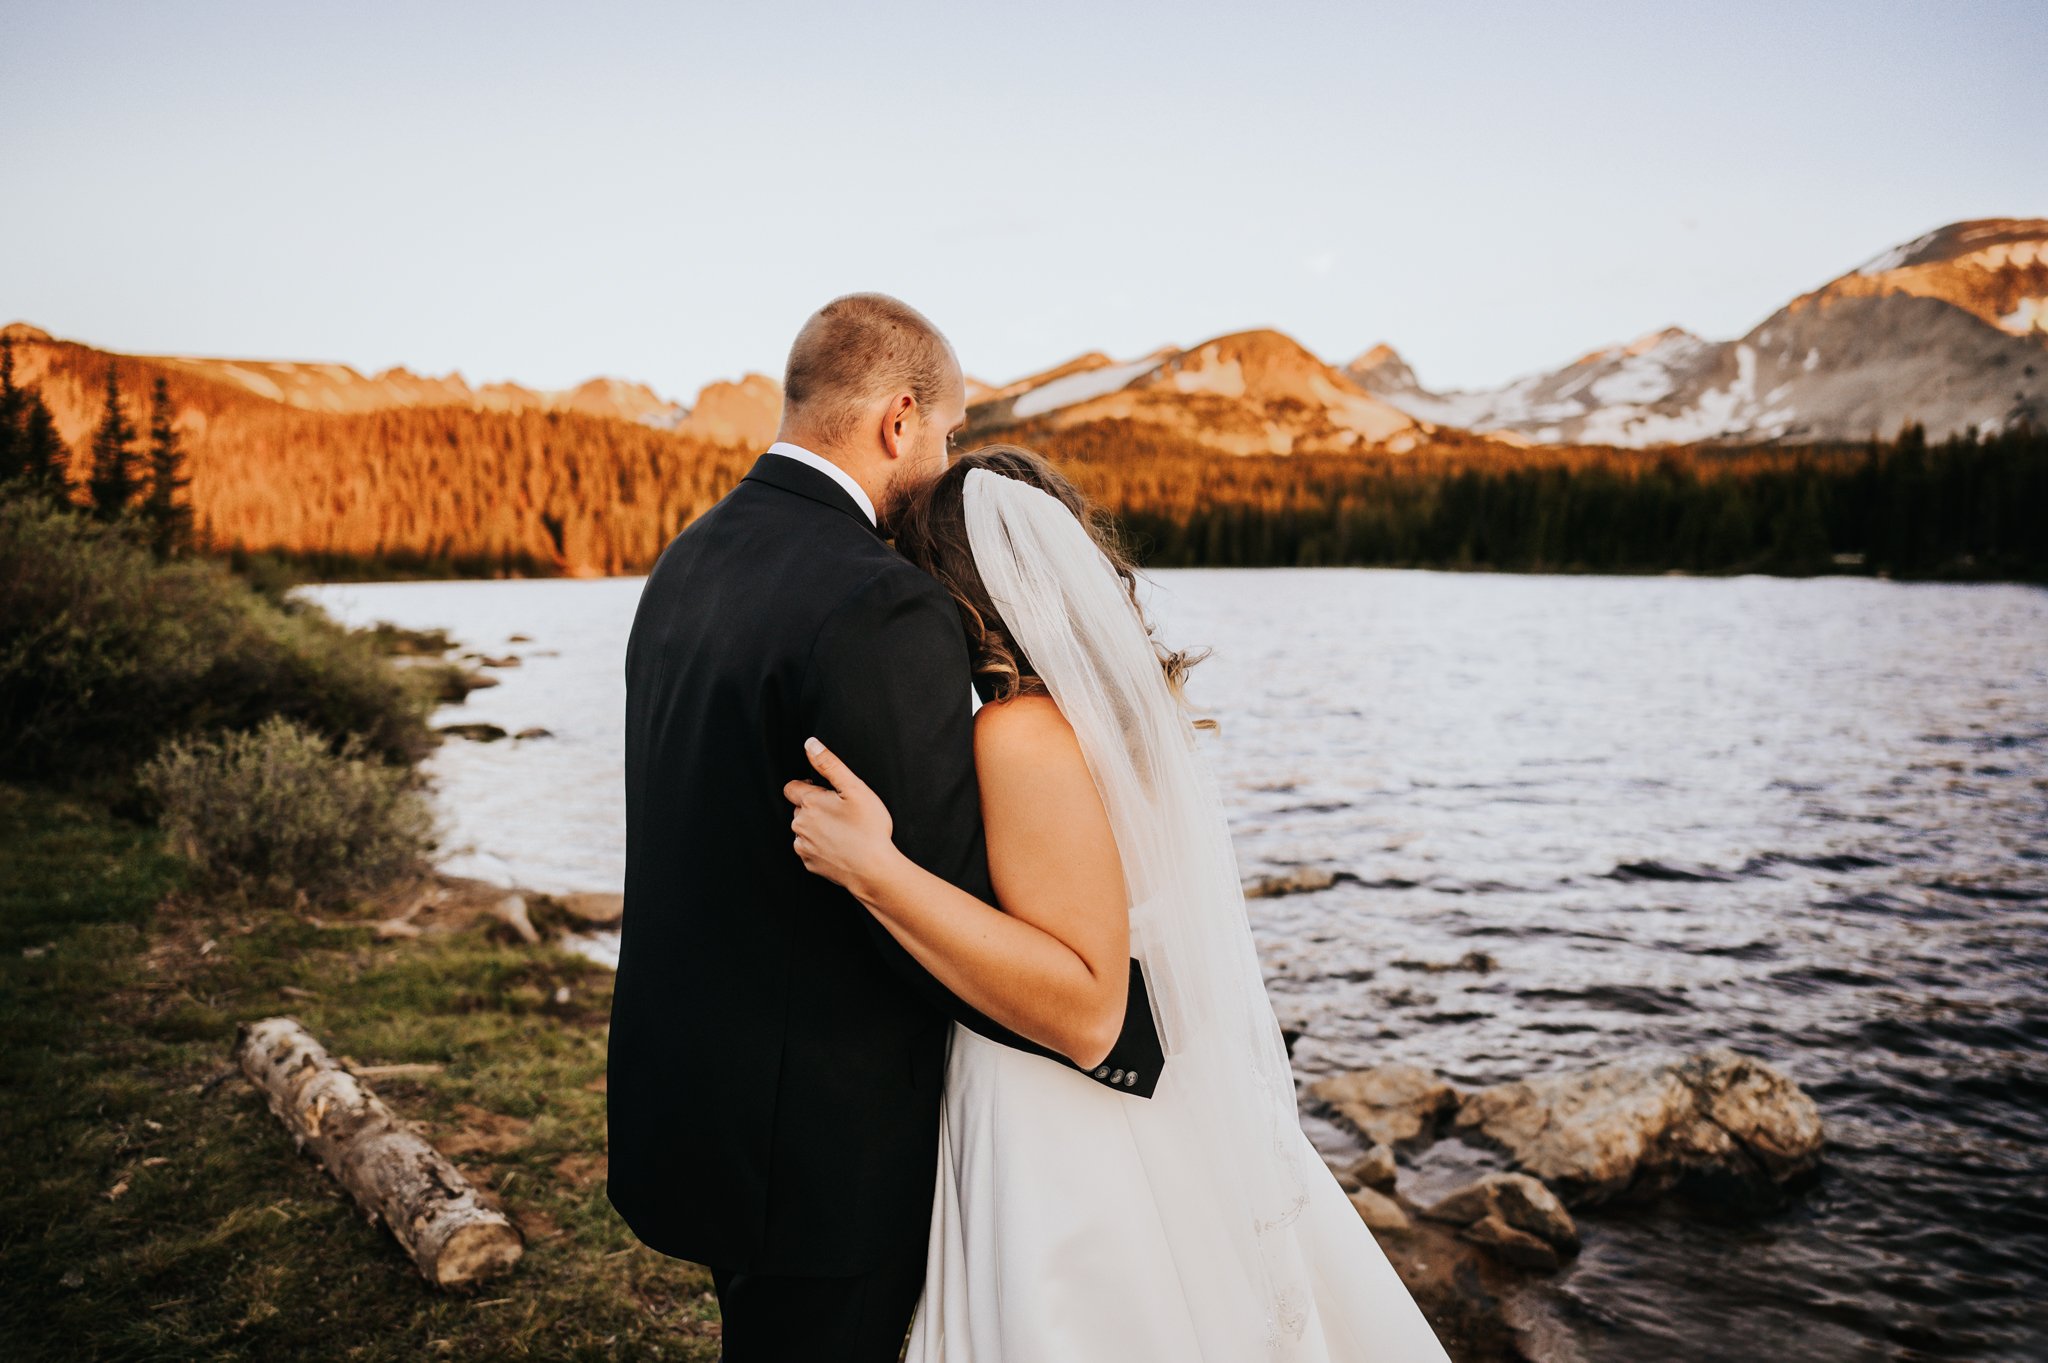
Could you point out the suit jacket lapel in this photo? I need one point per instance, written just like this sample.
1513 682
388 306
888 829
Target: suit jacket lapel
792 475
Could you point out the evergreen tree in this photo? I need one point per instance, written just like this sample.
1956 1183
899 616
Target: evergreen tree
13 408
45 459
114 481
169 515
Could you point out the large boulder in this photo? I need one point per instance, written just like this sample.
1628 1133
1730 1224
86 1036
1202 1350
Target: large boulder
1399 1106
1716 1124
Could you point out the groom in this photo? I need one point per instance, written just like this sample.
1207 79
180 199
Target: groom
776 1058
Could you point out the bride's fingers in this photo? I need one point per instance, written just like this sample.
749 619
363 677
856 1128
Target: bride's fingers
796 792
832 769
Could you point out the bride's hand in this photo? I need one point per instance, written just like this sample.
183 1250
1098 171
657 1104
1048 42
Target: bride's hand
842 832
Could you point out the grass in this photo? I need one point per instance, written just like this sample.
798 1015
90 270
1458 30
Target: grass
152 1208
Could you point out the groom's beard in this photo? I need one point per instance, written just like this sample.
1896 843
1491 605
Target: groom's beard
897 494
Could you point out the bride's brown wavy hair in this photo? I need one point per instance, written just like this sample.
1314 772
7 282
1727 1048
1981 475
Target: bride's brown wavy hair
931 531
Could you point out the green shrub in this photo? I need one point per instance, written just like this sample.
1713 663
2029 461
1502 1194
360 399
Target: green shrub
274 811
105 653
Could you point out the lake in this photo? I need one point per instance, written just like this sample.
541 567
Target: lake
1807 819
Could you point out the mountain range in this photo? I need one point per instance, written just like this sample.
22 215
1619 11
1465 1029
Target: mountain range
742 412
1251 392
1949 330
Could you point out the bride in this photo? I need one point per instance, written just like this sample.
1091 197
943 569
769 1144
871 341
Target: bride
1074 1224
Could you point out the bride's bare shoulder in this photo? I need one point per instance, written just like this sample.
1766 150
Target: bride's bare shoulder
1048 832
1023 730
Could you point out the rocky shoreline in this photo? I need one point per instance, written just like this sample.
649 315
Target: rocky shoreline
1711 1134
1714 1133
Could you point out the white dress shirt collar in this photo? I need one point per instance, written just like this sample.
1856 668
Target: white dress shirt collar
830 469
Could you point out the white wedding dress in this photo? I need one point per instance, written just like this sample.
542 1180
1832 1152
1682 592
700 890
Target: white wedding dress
1061 1235
1073 1223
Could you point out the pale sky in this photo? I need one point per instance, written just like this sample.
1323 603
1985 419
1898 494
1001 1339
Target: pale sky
663 192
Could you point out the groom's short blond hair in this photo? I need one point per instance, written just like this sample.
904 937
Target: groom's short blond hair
855 349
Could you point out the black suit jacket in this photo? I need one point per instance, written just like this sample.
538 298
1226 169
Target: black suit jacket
776 1058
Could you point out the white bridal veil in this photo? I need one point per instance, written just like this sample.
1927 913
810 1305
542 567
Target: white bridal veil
1225 1099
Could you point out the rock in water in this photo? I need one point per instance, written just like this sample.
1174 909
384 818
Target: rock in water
1376 1169
1396 1105
1517 1247
482 733
1379 1211
1716 1123
1519 1203
1301 880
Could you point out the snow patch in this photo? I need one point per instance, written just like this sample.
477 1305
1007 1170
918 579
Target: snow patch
2008 255
2030 315
1468 410
1897 256
1641 378
256 383
1482 410
1718 412
1211 375
1073 388
1647 375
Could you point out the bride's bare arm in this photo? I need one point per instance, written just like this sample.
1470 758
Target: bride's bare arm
1052 964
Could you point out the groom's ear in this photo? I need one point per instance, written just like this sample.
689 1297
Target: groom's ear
896 415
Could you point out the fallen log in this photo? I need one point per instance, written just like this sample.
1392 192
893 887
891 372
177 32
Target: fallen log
394 1175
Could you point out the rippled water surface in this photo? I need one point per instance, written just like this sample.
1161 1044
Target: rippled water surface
1807 819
